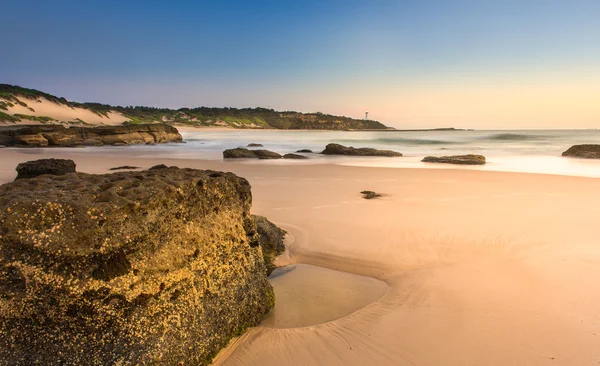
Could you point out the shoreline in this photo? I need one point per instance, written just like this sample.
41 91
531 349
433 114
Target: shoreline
483 267
410 162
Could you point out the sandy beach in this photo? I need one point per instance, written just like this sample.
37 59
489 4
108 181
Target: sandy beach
451 267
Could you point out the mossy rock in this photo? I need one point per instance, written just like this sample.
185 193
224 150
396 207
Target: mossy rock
151 267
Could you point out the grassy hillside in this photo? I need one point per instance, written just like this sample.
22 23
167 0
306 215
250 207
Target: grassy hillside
203 116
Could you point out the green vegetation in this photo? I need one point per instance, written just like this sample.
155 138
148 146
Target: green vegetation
79 122
41 119
7 118
5 104
206 116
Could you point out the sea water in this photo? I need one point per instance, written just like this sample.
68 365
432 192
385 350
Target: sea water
531 151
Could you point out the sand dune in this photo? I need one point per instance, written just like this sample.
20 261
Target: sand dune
482 268
62 112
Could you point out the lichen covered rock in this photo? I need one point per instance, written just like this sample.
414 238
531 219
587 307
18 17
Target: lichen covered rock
32 169
151 267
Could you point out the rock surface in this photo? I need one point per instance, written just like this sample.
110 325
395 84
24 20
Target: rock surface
456 159
271 240
294 156
337 149
304 151
254 145
151 267
59 135
583 151
243 153
32 169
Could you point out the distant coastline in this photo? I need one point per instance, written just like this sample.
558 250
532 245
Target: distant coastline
20 105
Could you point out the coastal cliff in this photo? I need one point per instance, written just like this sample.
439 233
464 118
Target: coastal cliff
59 135
155 267
18 105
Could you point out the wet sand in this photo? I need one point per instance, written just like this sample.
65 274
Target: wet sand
310 295
481 268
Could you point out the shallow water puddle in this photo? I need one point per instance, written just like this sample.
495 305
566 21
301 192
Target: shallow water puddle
310 295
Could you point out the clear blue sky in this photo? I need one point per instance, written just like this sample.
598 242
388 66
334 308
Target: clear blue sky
413 63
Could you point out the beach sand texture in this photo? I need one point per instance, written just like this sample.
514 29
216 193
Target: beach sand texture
466 267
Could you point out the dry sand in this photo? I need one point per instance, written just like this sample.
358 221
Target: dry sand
62 112
482 268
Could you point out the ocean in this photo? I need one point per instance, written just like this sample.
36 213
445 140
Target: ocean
531 151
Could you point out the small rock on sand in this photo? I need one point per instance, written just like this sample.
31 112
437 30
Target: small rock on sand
370 195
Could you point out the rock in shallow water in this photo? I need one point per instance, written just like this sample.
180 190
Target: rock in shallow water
32 169
337 149
125 167
151 267
243 153
294 156
588 151
456 159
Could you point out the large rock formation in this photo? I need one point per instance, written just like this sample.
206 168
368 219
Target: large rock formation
59 135
583 151
337 149
32 169
152 267
456 159
243 153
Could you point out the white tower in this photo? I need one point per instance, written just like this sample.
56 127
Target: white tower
366 115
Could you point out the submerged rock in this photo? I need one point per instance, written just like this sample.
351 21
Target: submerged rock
32 169
304 151
270 239
294 156
151 267
588 151
243 153
254 145
337 149
59 135
125 167
456 159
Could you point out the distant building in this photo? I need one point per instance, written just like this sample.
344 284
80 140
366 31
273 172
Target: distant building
366 115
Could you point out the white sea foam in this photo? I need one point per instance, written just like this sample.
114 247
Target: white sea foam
513 151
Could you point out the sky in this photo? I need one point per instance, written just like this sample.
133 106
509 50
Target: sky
412 64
